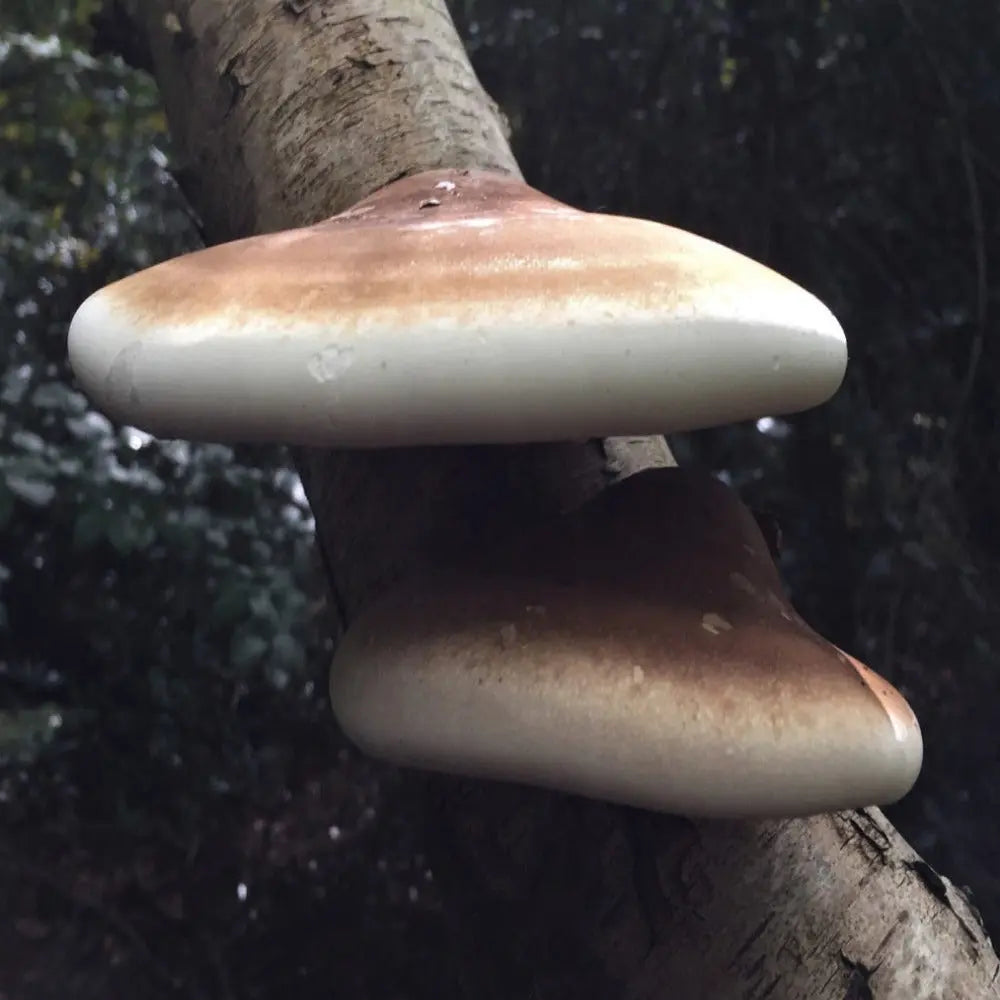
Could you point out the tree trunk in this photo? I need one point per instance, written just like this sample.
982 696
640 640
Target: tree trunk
286 112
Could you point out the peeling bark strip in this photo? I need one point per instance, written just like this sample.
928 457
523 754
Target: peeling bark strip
287 112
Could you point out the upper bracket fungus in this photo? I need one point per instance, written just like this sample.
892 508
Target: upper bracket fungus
455 307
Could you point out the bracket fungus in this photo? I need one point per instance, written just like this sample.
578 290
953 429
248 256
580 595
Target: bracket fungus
456 307
639 649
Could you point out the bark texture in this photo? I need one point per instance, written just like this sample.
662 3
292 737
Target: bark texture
287 112
606 902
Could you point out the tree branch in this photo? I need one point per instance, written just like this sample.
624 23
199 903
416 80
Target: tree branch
291 112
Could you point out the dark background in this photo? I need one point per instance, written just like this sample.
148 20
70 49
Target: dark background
178 811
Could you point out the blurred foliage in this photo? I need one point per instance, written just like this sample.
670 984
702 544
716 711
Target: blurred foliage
170 775
165 737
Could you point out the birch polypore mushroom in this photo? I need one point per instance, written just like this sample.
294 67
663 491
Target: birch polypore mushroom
454 307
640 650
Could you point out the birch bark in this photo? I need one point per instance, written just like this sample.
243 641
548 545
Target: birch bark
286 112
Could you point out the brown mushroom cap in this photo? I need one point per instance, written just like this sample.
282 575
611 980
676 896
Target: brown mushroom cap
640 651
455 307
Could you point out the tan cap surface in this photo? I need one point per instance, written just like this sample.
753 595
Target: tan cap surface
639 651
455 307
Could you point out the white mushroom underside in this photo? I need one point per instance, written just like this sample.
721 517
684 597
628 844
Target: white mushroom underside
237 377
608 746
495 699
